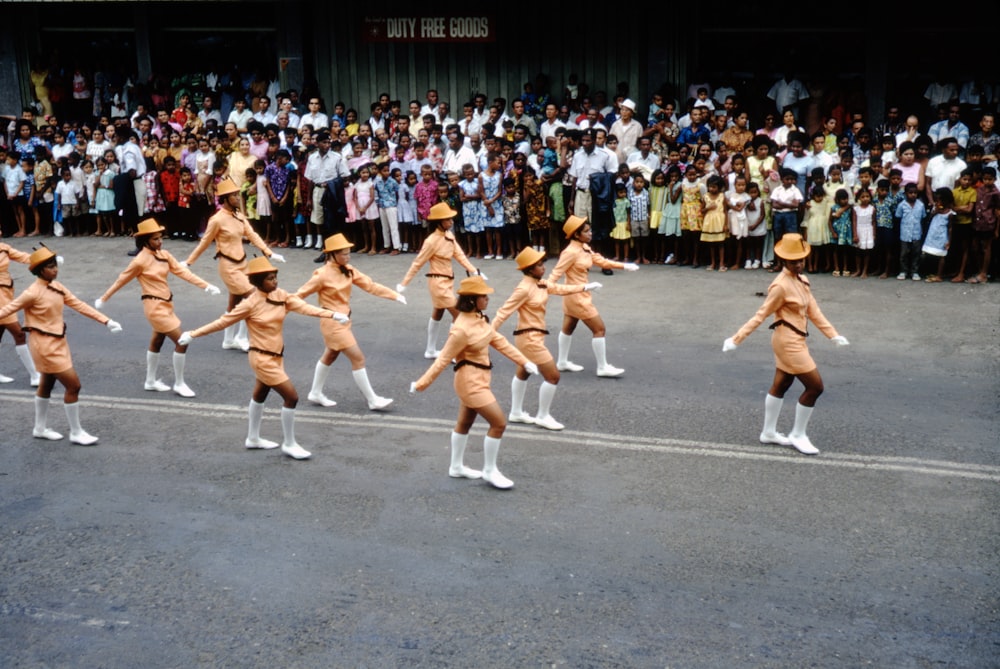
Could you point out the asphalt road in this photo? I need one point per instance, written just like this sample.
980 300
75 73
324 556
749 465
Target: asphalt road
653 532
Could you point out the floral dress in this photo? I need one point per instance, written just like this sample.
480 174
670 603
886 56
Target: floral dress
691 206
491 187
473 212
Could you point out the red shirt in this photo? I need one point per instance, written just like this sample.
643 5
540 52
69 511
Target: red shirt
170 185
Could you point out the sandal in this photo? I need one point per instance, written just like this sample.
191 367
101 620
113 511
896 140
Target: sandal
933 279
973 280
836 272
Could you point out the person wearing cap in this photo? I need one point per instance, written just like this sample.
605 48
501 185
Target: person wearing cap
227 228
468 345
529 300
627 130
8 253
790 299
323 167
574 263
264 311
333 282
151 267
438 250
43 303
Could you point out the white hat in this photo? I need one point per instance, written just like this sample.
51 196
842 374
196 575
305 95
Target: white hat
627 102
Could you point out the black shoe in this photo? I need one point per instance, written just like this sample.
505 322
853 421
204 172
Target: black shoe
133 252
607 272
321 258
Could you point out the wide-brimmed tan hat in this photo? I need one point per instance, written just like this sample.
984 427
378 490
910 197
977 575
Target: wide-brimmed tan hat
441 212
528 257
260 265
148 227
40 257
474 285
226 187
336 243
792 247
572 224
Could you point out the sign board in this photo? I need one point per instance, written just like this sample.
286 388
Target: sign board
429 29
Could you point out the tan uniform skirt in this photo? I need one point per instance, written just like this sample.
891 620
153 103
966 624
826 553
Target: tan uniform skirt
791 355
532 345
579 305
472 385
336 336
442 292
160 315
6 297
269 369
51 354
233 274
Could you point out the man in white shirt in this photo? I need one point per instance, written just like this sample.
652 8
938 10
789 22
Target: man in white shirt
943 170
263 115
432 103
644 159
323 167
458 155
286 106
788 92
551 121
317 119
587 161
208 111
950 126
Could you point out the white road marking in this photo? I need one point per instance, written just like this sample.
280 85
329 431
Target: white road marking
594 440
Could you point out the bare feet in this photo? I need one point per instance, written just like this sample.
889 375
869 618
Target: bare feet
883 275
959 278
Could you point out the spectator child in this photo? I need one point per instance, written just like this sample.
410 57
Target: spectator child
885 233
713 227
69 198
910 212
511 203
961 232
985 222
692 213
842 231
364 201
739 227
186 189
622 232
756 222
938 238
407 211
864 226
638 199
670 228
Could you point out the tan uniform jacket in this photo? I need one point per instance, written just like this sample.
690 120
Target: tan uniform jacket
438 250
470 338
8 253
151 269
43 304
334 288
227 230
575 262
791 301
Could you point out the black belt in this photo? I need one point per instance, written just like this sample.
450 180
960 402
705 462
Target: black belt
48 334
526 330
7 285
789 326
220 254
157 297
463 363
440 276
271 353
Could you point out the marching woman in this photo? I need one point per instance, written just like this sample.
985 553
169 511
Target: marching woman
151 267
528 300
575 262
227 228
438 250
468 344
790 299
8 253
333 281
43 303
264 312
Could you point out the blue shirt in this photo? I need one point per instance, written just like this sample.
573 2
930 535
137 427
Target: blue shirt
911 220
386 192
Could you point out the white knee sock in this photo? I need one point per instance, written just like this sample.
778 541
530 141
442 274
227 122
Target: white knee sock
517 390
29 364
772 408
565 341
433 327
545 396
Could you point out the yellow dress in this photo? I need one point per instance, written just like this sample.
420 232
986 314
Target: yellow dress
713 226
